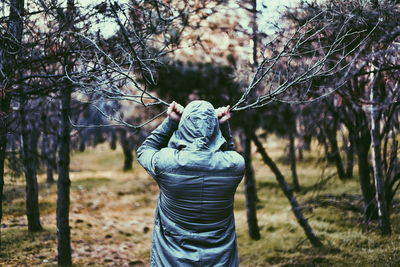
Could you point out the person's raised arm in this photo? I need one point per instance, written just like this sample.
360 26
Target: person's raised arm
159 138
224 114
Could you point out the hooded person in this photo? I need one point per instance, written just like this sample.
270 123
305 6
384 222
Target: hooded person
193 161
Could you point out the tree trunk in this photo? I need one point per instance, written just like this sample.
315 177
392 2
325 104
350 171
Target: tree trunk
350 157
49 173
127 149
289 194
113 141
8 53
392 174
48 151
3 146
128 158
335 154
326 149
30 138
48 157
307 142
363 143
63 183
82 144
4 107
292 158
250 190
384 217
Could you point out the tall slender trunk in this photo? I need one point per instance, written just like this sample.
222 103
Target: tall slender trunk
350 157
4 107
30 138
392 177
363 143
113 139
3 146
307 138
289 194
250 183
127 150
384 217
326 149
63 183
335 154
48 154
9 50
250 190
292 158
49 173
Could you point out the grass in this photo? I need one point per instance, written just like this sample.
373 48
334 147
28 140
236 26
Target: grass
112 211
17 208
23 248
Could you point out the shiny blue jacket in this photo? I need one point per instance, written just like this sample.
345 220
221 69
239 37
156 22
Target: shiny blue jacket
198 171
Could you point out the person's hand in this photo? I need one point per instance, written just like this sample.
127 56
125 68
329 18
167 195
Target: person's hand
223 114
175 111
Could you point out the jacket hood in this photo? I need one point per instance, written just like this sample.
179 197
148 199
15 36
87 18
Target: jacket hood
198 129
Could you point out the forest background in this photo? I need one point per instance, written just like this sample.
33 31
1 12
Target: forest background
314 92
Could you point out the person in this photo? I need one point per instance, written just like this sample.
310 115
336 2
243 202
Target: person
192 157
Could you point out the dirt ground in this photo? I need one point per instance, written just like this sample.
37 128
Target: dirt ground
111 218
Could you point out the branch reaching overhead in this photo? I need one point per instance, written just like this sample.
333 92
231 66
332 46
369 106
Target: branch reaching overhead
294 65
301 63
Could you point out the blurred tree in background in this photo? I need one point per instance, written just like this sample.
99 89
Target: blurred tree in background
74 74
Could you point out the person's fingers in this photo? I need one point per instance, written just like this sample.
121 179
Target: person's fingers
227 109
223 114
223 111
179 108
171 108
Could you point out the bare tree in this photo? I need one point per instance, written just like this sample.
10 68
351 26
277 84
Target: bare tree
124 71
10 40
363 96
288 193
30 137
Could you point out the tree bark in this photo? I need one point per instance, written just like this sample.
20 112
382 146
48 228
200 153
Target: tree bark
30 138
113 141
250 183
292 158
127 150
9 50
350 157
384 216
4 107
48 157
390 186
288 193
363 143
335 154
64 183
250 190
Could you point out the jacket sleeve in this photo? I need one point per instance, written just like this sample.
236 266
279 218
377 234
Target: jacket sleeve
147 152
226 133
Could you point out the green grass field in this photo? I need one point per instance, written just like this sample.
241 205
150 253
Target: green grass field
111 217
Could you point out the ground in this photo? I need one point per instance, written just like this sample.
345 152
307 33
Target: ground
112 217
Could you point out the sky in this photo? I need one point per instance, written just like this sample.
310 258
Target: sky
269 11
